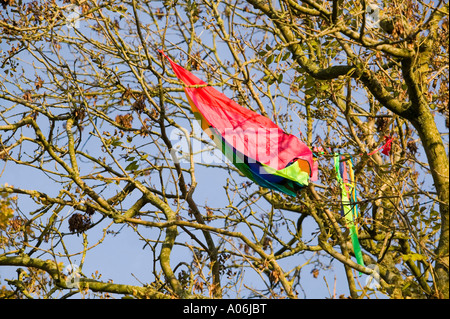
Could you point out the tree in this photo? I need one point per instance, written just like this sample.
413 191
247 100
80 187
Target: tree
95 117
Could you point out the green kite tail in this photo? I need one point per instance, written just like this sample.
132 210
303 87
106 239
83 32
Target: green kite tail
356 246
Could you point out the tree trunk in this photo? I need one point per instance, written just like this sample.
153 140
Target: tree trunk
439 166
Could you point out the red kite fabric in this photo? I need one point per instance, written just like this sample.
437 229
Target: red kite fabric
256 145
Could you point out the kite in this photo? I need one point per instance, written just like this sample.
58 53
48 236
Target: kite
256 146
346 180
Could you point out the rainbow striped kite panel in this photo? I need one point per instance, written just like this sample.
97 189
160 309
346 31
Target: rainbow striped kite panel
253 143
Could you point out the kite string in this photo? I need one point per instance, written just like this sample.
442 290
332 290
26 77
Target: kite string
385 149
